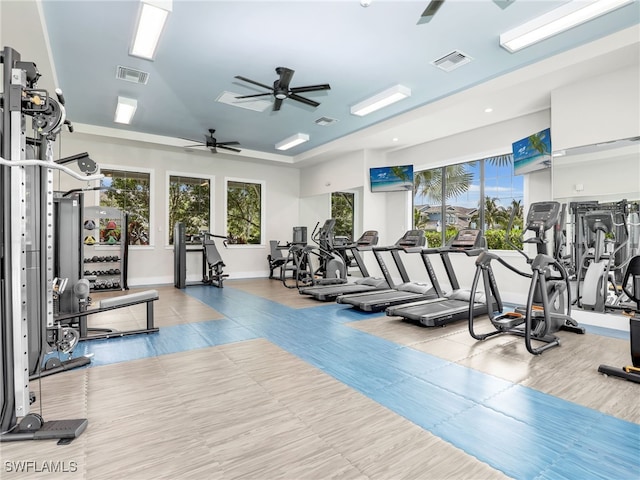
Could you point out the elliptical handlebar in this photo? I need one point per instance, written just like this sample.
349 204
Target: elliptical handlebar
507 238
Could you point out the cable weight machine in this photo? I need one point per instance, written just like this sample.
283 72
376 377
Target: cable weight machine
27 288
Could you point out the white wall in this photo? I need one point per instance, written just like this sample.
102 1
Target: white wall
154 264
472 145
605 176
596 110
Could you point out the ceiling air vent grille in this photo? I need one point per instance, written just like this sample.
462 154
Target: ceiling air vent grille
324 121
132 75
452 61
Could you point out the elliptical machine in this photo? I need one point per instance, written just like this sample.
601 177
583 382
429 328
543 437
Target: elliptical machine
632 277
331 269
597 265
548 307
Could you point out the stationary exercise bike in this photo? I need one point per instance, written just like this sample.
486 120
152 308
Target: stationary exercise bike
548 307
631 286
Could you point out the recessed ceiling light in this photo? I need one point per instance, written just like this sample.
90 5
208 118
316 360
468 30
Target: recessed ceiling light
395 139
292 141
488 110
381 100
151 21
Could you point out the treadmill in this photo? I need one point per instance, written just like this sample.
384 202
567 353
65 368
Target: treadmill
454 306
376 301
326 293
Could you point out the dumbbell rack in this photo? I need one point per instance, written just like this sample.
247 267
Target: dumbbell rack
105 258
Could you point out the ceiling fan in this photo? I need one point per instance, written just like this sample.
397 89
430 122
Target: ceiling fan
430 11
212 144
281 89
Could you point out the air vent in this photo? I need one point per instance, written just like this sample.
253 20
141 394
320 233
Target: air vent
132 75
324 121
452 61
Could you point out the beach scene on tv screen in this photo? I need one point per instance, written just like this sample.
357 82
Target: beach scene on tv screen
532 153
392 179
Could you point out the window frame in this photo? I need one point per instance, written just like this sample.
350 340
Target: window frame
152 216
263 211
173 173
483 178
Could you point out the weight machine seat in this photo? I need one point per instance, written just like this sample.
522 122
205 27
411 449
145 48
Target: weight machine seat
129 299
213 255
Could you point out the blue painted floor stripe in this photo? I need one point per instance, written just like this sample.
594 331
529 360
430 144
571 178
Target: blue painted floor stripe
517 430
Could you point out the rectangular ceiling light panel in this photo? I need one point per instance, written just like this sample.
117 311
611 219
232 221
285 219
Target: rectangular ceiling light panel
381 100
556 21
151 21
292 141
125 110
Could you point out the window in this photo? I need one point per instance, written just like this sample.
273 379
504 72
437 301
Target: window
244 212
342 209
479 194
129 192
189 203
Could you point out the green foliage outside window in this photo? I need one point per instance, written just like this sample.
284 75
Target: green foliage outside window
244 212
189 203
342 208
129 192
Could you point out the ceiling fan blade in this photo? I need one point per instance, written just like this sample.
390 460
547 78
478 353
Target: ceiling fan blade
245 79
298 98
256 95
277 104
229 148
286 74
310 88
220 144
432 8
194 145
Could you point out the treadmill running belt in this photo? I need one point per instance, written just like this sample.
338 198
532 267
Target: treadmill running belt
330 293
437 313
376 302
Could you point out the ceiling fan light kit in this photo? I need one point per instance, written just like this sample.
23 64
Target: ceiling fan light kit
292 141
213 144
281 91
556 21
381 100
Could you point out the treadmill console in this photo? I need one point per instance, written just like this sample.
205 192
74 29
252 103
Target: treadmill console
413 238
466 239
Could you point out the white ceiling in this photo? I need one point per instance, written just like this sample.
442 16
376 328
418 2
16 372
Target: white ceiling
358 51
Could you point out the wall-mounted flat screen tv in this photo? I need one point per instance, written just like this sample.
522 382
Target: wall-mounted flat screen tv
532 153
391 179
